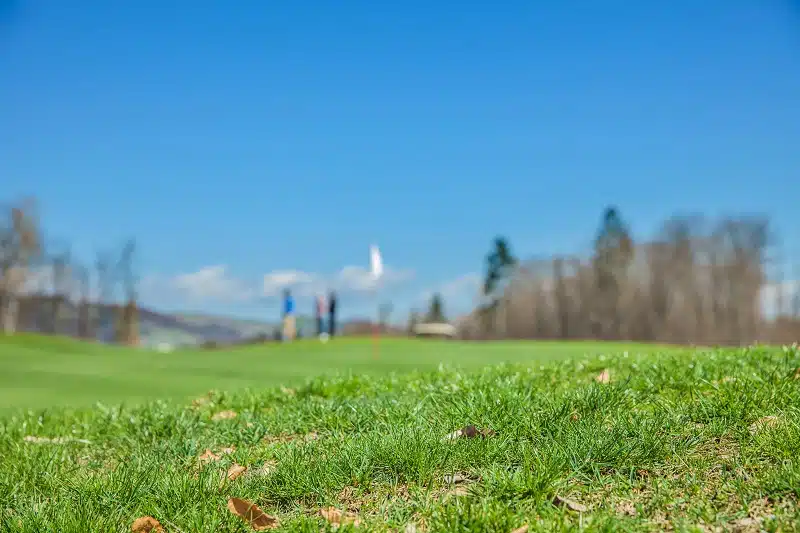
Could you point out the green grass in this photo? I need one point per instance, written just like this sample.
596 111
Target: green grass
672 442
41 372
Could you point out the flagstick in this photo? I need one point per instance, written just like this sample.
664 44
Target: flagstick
376 332
376 269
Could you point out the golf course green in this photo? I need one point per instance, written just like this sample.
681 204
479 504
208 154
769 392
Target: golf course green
38 372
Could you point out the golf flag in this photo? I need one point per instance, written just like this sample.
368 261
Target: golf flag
376 263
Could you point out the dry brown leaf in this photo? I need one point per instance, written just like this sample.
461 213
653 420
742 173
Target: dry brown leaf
235 471
454 479
574 417
468 432
570 504
336 518
626 508
764 422
146 524
603 377
264 470
250 513
207 457
521 529
797 373
224 415
210 457
201 401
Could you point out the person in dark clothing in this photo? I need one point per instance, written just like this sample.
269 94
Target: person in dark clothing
331 314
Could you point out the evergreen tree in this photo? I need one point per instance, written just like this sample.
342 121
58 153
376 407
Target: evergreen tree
436 310
499 263
613 254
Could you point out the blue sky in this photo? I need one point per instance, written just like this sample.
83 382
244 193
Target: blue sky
286 137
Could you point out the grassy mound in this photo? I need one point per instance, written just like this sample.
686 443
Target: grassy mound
686 441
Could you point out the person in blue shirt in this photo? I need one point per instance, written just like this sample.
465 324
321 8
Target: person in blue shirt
288 316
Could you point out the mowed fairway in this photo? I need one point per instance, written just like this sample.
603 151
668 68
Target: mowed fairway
704 441
41 372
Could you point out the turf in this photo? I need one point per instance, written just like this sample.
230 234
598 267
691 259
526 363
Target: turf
701 441
40 372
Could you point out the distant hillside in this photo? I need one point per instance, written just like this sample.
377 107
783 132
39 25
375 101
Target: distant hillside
155 327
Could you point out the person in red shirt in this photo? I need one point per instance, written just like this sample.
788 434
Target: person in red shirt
319 313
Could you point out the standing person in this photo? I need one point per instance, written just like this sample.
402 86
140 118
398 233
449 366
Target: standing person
320 312
331 314
288 316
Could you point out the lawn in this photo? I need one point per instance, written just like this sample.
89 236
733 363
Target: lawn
41 372
634 441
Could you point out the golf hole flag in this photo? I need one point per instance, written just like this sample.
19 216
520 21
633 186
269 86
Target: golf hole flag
375 262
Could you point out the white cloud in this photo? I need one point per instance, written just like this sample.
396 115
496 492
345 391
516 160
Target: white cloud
216 284
276 281
359 279
212 283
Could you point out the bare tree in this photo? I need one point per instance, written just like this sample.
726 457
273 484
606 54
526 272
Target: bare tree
128 323
695 282
105 292
84 325
19 246
62 278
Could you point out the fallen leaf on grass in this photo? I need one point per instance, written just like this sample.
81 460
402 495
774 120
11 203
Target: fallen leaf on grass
146 524
209 457
521 529
264 470
764 422
223 415
235 471
603 377
574 417
468 432
54 440
570 504
201 402
626 508
336 518
454 479
250 513
797 373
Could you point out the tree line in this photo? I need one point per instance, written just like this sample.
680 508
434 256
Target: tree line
696 281
45 288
